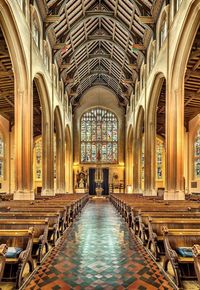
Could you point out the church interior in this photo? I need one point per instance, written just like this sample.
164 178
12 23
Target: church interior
100 144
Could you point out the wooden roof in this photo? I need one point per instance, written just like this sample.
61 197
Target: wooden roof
101 42
6 82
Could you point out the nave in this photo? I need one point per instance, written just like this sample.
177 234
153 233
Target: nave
99 252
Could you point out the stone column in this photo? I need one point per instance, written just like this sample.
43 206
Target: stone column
137 182
174 145
60 165
23 144
149 165
47 159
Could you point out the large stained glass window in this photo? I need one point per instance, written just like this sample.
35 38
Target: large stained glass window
99 133
197 155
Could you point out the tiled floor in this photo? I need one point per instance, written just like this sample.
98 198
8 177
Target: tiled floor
99 253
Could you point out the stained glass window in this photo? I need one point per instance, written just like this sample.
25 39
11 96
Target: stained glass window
197 155
1 157
142 159
159 159
38 159
99 133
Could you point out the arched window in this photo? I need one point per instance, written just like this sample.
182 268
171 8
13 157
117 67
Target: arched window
99 135
36 32
197 155
38 159
159 158
163 30
142 159
2 154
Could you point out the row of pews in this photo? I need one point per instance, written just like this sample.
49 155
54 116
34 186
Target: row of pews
170 230
28 229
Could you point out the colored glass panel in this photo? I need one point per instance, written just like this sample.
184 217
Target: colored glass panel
99 133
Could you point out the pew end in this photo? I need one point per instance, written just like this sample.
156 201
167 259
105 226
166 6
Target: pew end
196 254
21 242
176 240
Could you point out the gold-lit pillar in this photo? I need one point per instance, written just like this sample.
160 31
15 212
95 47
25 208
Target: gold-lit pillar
23 144
150 152
47 158
174 144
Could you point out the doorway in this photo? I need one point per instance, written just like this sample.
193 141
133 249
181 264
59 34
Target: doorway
92 183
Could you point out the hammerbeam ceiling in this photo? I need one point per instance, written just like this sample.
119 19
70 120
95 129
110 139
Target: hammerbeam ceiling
100 42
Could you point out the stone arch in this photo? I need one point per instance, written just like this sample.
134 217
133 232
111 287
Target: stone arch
69 160
175 180
60 151
47 137
151 133
22 95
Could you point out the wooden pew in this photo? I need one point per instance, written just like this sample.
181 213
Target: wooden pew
40 226
53 220
3 249
47 209
138 210
183 267
196 254
155 226
140 222
14 266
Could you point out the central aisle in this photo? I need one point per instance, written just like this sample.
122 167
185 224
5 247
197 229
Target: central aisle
99 253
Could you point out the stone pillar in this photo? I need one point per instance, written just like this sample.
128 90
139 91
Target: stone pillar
174 145
137 182
150 152
23 144
60 164
47 159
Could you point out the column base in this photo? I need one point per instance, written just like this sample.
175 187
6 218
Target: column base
150 192
24 195
174 195
136 191
60 191
47 192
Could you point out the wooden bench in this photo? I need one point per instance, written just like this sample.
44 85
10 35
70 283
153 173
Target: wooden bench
140 222
14 266
53 220
40 243
49 209
196 254
155 226
183 267
3 249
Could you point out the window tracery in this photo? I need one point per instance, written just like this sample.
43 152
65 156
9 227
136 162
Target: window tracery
99 133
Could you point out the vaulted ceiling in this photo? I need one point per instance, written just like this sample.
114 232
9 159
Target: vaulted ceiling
100 42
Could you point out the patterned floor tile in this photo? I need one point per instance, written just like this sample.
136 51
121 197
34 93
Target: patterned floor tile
99 253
